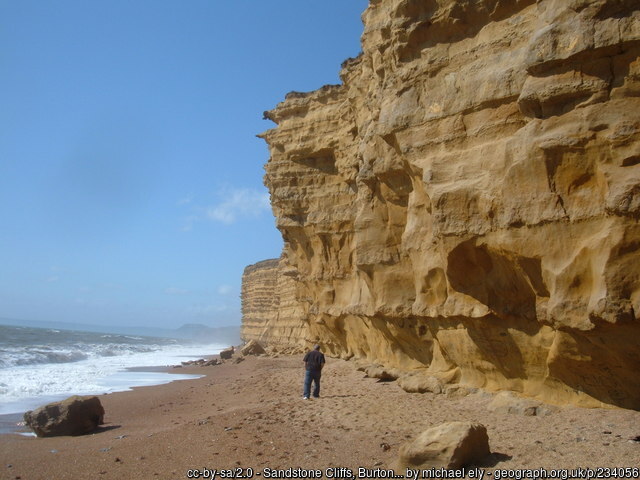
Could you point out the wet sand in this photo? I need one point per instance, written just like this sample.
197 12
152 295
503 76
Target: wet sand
251 415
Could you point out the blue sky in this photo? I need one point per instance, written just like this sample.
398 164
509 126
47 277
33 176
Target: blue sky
130 175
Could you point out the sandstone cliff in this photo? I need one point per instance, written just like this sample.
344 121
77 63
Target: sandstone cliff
466 203
271 313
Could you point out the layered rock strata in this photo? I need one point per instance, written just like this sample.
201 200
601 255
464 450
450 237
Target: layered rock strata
466 203
271 313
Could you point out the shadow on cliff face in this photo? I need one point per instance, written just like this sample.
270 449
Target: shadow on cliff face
429 23
506 283
615 8
323 161
496 346
602 363
587 77
486 344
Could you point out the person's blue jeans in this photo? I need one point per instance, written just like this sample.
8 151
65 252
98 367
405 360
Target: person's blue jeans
309 376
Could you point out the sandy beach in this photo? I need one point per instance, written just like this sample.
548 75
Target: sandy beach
251 416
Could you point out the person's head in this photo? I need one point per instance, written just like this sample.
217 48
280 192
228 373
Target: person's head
316 347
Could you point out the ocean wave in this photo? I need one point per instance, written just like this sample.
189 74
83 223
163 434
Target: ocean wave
42 354
35 357
97 373
116 350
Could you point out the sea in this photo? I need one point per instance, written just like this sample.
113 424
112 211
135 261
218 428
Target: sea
41 365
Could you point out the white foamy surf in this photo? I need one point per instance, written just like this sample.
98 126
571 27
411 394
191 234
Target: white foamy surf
42 365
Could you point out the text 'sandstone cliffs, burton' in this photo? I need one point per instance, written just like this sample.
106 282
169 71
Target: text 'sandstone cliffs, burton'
467 202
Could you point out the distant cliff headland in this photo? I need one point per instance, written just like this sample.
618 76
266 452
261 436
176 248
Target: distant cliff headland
465 206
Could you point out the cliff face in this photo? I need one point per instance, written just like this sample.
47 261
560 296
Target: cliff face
466 203
271 314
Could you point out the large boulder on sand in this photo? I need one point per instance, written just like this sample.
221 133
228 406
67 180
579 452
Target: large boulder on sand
74 416
227 353
420 383
382 373
508 402
450 445
252 348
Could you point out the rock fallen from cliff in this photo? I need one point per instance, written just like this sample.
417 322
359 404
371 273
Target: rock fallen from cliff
74 416
458 390
420 383
451 445
227 353
200 363
252 348
382 373
508 402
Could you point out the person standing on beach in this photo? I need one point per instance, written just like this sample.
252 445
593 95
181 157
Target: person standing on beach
313 363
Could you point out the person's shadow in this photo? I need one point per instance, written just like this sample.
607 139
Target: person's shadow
105 428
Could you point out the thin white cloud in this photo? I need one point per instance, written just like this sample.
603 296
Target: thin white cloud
238 203
53 278
234 204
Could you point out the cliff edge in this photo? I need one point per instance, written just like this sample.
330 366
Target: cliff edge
466 203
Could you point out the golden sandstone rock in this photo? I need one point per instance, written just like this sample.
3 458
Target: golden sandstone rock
465 205
271 314
450 445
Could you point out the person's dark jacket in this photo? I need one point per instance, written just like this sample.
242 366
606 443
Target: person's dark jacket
314 360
